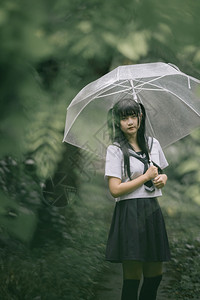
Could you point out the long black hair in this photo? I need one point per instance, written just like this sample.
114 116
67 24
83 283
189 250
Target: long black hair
126 107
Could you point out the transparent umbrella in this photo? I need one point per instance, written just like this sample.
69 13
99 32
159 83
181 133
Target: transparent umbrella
171 99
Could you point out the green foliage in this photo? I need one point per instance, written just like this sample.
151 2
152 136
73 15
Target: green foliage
44 135
21 47
185 160
182 219
65 270
20 199
185 269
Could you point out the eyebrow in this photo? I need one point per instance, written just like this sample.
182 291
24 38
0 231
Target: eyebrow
129 114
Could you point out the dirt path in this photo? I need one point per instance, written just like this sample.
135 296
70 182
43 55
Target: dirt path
110 286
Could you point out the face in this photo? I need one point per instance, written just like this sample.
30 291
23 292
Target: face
129 125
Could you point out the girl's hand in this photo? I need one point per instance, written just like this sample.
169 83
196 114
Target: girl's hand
160 181
151 173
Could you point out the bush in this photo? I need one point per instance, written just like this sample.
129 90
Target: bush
65 268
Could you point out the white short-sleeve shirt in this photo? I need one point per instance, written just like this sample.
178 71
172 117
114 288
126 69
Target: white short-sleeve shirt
114 167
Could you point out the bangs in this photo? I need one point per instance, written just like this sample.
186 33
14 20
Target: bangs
127 107
127 112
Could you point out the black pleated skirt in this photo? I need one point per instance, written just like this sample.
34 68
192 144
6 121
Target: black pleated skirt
138 232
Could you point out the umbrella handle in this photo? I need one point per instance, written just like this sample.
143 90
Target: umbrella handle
150 163
154 164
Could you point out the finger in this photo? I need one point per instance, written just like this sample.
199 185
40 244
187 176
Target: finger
156 179
158 186
158 183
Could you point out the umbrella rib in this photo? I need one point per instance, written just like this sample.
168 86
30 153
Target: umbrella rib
149 89
144 82
121 84
127 89
106 87
146 89
117 85
77 114
188 105
168 91
138 87
84 107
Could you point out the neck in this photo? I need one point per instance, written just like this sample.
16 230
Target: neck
132 139
133 142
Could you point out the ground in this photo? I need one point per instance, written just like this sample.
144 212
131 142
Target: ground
111 283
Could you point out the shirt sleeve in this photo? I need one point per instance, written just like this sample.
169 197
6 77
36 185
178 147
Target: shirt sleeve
113 165
162 158
157 155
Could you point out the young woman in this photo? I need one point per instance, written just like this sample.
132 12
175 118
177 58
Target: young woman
137 236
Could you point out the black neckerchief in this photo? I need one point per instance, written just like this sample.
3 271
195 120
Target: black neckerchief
149 186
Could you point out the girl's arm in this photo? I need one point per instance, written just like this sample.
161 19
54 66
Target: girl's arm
118 188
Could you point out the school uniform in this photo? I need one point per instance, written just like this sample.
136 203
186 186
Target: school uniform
137 230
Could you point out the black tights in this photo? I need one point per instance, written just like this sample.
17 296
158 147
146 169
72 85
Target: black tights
148 290
130 289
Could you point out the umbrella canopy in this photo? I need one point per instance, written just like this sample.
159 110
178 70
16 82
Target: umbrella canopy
171 99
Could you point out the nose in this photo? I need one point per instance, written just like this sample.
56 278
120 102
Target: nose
130 121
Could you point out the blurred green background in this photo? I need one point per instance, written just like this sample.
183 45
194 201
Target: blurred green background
55 209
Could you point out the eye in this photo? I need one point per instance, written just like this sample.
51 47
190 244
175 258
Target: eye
133 116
